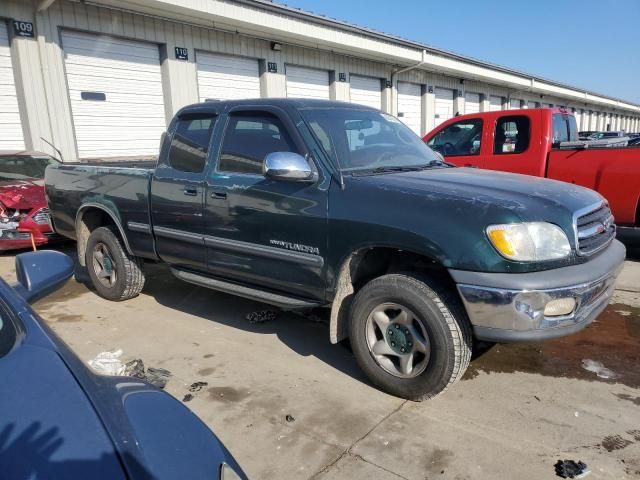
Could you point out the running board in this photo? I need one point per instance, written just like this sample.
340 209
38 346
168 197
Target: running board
276 299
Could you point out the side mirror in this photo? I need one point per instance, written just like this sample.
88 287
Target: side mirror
288 166
41 273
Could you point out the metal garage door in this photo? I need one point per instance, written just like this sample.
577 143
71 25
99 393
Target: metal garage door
10 127
578 114
514 104
224 77
471 102
115 87
531 104
444 105
410 105
307 82
495 103
366 91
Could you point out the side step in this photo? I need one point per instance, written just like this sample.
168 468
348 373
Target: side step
281 301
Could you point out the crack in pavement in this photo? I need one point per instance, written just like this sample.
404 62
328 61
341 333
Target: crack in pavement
347 451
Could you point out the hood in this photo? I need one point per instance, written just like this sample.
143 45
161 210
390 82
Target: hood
22 194
527 197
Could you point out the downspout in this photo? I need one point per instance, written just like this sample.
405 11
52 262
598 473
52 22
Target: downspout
394 87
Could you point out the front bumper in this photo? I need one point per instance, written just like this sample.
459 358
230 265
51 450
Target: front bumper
506 307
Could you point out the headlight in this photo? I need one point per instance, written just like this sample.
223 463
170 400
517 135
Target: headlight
228 473
529 242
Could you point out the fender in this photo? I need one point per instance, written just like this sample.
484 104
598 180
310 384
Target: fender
82 238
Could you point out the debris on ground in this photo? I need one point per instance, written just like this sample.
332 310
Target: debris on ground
624 313
598 368
289 418
262 316
571 469
187 398
107 363
197 386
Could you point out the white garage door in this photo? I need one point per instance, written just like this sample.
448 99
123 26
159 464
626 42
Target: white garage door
409 105
366 91
224 77
495 103
115 87
514 104
578 114
444 105
471 102
307 82
10 126
531 104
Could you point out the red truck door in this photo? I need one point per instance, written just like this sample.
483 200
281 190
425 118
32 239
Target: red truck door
460 142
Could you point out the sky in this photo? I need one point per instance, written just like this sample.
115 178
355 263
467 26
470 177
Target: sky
589 44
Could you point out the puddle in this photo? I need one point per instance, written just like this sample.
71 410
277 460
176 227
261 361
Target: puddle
613 341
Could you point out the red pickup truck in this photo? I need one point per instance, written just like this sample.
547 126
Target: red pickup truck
544 142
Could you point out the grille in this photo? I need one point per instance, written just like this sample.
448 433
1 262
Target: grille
595 230
42 217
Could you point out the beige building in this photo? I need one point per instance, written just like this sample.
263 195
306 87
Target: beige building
102 78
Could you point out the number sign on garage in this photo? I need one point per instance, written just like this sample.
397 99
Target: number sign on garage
115 88
225 77
410 105
471 102
444 105
10 127
305 82
366 91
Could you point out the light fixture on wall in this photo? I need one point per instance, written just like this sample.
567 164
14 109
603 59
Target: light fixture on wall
276 47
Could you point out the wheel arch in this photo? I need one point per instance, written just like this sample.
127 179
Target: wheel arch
364 264
91 216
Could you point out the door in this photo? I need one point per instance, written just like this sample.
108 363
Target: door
11 137
460 142
366 91
305 82
471 102
495 103
514 104
115 88
444 105
226 77
531 104
177 191
258 231
410 105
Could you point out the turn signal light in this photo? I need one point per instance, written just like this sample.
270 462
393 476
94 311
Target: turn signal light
559 307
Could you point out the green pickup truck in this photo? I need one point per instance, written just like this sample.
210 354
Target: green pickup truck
306 203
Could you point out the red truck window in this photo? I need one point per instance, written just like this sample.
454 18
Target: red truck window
460 138
512 135
564 129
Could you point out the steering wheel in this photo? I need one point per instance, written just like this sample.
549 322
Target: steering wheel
448 149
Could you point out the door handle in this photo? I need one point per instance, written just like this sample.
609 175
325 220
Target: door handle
192 192
218 195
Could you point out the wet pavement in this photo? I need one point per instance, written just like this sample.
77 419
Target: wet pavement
289 404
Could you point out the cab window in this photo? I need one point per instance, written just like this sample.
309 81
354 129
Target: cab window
564 129
460 138
513 134
190 143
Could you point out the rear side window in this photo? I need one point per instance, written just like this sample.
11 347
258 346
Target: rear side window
564 128
460 138
513 134
249 138
190 142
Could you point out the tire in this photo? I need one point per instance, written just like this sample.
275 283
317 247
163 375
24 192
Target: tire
436 320
127 277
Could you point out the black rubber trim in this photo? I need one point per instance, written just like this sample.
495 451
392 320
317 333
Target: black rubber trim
264 251
629 234
139 227
179 235
279 300
502 335
605 262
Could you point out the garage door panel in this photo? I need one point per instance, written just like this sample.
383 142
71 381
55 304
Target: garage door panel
305 82
131 119
444 105
11 136
366 91
410 105
225 77
495 103
471 102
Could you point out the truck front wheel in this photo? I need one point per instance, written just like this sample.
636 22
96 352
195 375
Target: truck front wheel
115 274
410 336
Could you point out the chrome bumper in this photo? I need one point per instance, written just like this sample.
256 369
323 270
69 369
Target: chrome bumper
517 314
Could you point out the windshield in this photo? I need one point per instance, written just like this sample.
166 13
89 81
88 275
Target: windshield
24 167
365 140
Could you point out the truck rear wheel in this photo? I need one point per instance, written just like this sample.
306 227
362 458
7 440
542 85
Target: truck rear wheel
410 336
115 274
